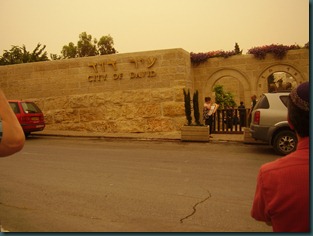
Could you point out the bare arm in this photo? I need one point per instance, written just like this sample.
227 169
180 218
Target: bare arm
215 108
13 137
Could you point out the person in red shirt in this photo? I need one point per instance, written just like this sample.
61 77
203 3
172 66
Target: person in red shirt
282 192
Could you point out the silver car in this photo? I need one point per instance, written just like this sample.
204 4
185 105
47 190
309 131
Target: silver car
269 123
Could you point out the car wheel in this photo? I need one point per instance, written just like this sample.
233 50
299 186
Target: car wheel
285 142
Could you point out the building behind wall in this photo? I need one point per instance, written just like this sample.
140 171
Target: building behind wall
138 92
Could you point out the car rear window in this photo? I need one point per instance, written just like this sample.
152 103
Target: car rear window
262 103
30 107
284 100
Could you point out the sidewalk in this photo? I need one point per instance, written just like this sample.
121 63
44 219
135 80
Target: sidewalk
172 136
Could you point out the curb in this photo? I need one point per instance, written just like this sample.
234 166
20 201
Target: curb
173 138
105 137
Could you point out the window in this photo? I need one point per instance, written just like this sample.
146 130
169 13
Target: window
30 107
262 103
15 108
285 100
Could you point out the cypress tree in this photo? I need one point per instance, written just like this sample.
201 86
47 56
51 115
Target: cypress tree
187 106
196 107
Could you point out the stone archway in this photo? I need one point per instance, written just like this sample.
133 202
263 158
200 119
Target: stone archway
234 78
262 82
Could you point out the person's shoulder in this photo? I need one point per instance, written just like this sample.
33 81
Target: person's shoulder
284 162
272 165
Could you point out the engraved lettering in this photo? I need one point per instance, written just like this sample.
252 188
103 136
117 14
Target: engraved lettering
113 64
97 78
151 61
132 75
94 66
118 76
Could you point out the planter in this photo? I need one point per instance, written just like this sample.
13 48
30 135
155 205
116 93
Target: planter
195 133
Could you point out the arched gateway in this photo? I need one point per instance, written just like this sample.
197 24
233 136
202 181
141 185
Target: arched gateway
286 74
236 82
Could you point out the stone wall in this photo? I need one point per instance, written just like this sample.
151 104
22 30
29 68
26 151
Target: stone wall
138 92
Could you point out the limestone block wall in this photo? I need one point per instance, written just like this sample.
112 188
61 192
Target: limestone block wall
135 92
244 75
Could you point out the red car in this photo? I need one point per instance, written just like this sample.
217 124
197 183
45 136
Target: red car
29 115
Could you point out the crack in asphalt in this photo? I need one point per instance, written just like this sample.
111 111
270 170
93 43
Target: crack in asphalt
194 208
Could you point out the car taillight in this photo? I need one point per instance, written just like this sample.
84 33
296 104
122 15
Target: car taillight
256 118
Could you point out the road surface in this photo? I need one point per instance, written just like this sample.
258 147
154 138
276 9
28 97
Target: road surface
96 185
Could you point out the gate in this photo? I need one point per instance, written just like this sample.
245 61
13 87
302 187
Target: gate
230 121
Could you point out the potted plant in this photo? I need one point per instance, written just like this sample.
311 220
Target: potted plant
196 132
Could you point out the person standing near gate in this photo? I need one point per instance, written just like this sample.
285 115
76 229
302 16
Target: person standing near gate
242 114
209 109
282 196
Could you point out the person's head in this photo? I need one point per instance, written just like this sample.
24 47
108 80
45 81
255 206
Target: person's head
241 103
299 109
253 97
207 99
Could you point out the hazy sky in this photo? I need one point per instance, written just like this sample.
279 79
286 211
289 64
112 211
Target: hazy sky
143 25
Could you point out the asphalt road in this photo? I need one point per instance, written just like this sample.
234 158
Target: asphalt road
92 185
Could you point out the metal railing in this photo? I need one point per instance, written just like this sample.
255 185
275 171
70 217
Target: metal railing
230 121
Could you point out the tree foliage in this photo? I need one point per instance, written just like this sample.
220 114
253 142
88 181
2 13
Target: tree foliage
89 46
18 55
105 45
69 51
237 49
187 101
86 46
224 99
196 111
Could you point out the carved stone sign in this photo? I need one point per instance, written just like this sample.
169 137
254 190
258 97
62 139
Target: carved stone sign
142 69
